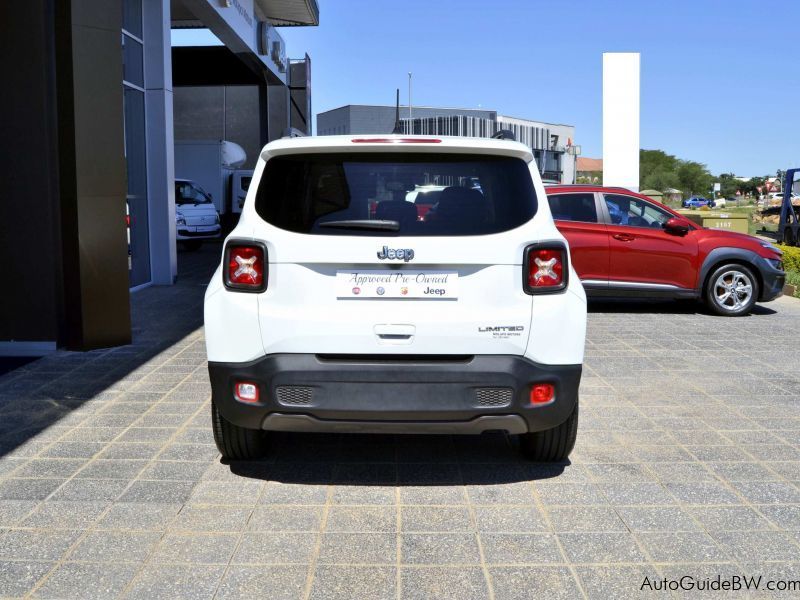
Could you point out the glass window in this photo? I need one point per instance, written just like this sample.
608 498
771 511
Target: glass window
573 207
356 194
190 193
132 17
634 212
132 61
136 163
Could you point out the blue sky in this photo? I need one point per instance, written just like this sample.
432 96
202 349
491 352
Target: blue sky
715 74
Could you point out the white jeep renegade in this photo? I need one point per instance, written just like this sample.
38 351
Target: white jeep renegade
341 306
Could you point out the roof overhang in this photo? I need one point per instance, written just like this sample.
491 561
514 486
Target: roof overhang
286 13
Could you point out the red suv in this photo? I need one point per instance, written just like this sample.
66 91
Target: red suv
626 244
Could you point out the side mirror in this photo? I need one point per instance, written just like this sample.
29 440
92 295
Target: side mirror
676 226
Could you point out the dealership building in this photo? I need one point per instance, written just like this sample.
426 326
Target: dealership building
553 145
94 97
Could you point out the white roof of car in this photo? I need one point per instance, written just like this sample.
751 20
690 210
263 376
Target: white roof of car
397 143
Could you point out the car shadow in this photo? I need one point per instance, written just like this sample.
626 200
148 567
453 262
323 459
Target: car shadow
654 306
395 460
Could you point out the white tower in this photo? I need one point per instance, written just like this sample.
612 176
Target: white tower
621 119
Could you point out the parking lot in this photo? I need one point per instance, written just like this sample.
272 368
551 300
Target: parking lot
687 463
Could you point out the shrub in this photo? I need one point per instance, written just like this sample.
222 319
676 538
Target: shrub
791 258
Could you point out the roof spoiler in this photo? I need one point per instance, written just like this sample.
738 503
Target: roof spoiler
505 134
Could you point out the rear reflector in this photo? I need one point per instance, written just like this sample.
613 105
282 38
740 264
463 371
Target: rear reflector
246 392
245 267
396 141
542 393
545 269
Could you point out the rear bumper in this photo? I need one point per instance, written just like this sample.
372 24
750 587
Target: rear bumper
394 393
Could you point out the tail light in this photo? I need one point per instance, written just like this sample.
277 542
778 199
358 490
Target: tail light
545 269
542 393
245 268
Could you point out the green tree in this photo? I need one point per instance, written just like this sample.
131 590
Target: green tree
694 177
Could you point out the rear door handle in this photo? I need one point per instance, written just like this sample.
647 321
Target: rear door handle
623 237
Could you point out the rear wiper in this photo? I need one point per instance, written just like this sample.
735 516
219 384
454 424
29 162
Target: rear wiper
363 224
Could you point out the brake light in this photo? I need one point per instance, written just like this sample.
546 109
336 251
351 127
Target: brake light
546 269
542 393
396 141
246 392
245 267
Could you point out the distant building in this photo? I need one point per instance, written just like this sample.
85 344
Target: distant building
549 142
590 170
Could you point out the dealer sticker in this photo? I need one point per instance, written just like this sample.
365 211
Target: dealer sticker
429 285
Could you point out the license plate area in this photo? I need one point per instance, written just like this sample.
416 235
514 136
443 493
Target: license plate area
397 285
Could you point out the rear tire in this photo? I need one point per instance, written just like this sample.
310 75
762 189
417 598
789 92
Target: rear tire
551 445
237 443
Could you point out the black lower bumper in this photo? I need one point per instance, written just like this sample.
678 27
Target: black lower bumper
772 280
394 393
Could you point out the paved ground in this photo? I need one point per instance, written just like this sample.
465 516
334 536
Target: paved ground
688 463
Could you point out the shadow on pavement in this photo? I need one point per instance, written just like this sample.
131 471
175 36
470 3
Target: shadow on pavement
403 460
673 307
39 394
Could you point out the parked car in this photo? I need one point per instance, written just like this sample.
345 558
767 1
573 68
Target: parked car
697 202
719 202
322 317
625 244
196 218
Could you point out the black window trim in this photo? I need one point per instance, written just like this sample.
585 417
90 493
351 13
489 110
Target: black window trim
599 206
607 214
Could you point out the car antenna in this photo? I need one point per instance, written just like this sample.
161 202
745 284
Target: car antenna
397 127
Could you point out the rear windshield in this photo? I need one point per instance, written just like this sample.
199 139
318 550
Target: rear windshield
396 194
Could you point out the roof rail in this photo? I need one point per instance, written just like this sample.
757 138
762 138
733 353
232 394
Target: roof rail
591 185
504 134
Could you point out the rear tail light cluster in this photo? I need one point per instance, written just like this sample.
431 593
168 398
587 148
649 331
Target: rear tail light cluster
245 267
545 269
542 393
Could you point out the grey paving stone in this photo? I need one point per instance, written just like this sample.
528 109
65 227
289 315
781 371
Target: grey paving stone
614 581
86 580
157 491
501 518
111 469
294 493
433 495
28 489
211 517
533 582
554 493
285 582
505 493
601 548
630 494
21 544
685 547
16 578
207 548
585 518
435 518
275 548
115 546
13 511
287 518
139 516
56 468
456 583
173 470
729 518
362 518
168 582
346 582
54 514
243 492
439 549
358 548
766 545
129 450
767 492
520 548
656 518
702 493
364 494
90 490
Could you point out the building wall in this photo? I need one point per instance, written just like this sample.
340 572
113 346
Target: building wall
358 119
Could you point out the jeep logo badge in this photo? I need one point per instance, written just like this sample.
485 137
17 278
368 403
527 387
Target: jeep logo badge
405 254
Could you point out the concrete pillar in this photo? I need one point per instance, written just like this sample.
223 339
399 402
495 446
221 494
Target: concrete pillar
160 141
621 119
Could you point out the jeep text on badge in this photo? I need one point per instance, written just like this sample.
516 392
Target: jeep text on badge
405 254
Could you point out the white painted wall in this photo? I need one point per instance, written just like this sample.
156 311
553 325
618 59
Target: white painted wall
621 119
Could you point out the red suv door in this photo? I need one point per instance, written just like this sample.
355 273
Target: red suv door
576 216
641 252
